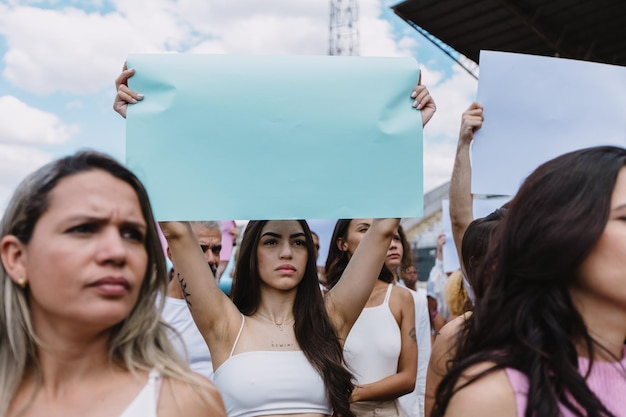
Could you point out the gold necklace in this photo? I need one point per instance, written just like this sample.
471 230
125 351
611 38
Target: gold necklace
281 326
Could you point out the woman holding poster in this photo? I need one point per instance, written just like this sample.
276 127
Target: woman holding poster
277 345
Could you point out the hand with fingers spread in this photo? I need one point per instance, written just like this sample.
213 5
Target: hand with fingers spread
125 95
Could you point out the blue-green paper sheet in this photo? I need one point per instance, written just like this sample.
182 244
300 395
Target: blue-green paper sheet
276 137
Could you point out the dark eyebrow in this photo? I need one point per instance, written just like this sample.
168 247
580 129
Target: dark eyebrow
141 226
363 224
100 220
272 234
206 246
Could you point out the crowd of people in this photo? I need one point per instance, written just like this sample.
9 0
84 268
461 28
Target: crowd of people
533 323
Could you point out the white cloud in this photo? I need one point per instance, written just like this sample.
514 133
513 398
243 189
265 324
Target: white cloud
438 162
453 96
74 105
71 51
16 162
28 125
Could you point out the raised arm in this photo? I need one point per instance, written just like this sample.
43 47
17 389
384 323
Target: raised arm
461 211
214 313
346 300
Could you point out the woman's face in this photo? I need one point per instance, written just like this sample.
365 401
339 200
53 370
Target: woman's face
282 254
86 259
602 275
394 253
357 229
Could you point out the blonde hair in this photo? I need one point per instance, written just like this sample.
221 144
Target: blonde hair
456 295
140 342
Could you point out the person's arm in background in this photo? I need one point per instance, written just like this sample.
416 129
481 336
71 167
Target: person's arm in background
436 279
345 301
461 210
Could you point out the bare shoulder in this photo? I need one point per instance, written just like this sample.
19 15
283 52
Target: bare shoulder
402 294
490 395
181 399
402 304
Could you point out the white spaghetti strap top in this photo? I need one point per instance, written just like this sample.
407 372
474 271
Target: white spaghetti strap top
387 294
372 348
243 320
257 383
146 402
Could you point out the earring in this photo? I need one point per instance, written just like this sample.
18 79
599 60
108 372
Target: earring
21 282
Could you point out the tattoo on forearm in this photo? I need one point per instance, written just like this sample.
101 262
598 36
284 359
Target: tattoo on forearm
183 289
412 335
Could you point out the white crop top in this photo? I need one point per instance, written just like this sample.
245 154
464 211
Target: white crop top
258 383
146 402
372 348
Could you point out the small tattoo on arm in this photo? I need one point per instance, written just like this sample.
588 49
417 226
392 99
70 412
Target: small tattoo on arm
183 289
412 335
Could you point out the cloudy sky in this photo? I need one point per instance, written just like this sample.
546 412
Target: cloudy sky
59 60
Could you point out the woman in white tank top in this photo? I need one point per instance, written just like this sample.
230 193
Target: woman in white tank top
277 309
381 349
80 333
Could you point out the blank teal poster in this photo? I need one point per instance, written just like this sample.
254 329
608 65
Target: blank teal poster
222 137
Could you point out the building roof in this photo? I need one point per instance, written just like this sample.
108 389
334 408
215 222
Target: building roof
578 29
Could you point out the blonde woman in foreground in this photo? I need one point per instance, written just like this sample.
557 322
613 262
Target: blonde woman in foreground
80 331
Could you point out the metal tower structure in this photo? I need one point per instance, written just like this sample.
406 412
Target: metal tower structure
344 29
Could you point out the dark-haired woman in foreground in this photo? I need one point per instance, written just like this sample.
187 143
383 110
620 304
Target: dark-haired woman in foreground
548 336
276 347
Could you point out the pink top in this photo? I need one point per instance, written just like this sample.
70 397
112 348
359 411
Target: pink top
607 381
227 239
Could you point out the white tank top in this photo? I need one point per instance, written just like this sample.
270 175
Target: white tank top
190 344
270 382
372 348
146 402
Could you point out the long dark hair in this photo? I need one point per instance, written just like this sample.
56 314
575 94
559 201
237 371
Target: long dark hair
526 319
314 332
408 260
337 260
